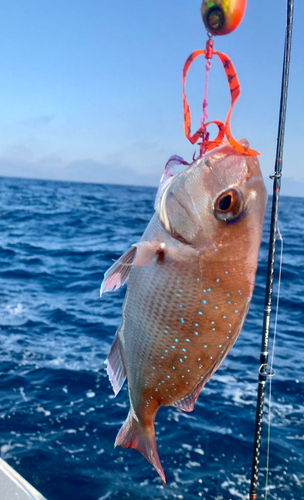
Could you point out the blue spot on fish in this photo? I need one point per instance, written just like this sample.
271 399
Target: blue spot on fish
205 346
166 350
205 301
196 324
181 360
197 279
229 302
176 340
236 311
196 333
187 340
182 320
181 305
200 312
218 280
216 307
184 350
173 347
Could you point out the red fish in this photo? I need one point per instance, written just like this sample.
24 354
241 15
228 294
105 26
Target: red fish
191 279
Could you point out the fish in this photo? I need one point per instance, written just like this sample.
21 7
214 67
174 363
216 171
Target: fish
191 279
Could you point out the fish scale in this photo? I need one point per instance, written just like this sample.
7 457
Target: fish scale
191 278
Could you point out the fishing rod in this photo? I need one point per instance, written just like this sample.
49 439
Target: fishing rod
220 18
276 176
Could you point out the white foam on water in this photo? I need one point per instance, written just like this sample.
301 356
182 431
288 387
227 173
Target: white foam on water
53 350
42 410
191 464
14 310
109 493
90 394
6 448
72 452
199 451
177 414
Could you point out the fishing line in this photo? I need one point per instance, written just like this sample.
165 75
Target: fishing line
263 372
272 361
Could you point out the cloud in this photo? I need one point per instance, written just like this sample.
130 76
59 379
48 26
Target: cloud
38 121
53 167
86 170
93 171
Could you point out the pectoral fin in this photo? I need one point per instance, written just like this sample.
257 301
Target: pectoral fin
139 254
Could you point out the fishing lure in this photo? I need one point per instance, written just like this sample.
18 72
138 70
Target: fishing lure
222 16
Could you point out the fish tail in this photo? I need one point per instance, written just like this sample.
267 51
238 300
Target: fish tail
134 434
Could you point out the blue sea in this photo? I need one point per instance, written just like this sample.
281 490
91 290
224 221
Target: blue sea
58 414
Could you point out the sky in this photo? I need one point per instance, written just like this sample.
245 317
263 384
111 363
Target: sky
92 90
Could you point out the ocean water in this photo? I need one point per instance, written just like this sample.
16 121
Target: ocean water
58 415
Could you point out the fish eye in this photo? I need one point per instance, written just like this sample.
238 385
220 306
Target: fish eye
228 205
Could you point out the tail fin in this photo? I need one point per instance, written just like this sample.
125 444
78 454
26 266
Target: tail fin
133 434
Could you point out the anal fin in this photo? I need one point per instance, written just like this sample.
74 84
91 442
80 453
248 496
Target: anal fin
115 366
187 403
